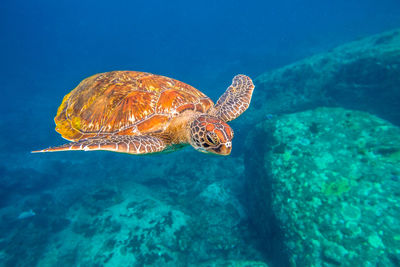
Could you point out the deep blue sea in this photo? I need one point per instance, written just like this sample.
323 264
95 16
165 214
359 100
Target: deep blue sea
188 208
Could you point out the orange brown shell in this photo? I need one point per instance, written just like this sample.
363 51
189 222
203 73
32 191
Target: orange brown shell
125 103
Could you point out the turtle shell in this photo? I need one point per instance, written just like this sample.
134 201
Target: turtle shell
125 103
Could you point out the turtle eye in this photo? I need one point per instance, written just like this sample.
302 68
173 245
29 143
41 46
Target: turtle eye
211 138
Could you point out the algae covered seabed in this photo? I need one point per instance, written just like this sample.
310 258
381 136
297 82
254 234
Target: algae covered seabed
314 180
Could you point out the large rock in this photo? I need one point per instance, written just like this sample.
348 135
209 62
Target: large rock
329 179
363 75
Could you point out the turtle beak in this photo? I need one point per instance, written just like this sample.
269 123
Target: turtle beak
224 149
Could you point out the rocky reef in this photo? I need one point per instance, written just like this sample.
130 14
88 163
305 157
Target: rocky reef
330 179
165 213
305 185
364 75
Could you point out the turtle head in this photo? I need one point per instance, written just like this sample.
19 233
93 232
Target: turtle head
211 135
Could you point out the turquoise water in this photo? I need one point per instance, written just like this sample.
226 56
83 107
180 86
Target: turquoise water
303 186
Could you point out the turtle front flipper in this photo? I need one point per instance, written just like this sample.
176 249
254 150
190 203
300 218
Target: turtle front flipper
235 100
142 144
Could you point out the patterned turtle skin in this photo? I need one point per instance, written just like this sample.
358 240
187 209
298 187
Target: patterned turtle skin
139 113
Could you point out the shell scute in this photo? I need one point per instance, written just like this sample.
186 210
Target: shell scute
126 115
171 99
154 124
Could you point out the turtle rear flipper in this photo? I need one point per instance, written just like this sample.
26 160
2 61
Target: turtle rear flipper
235 100
142 144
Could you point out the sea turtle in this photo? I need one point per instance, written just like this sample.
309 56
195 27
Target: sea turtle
139 113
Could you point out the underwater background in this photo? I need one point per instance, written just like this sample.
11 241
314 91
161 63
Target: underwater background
314 175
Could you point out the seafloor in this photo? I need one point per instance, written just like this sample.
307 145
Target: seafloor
314 180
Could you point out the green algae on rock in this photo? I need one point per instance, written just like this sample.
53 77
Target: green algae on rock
336 197
337 188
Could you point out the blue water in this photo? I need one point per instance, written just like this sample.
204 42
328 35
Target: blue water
48 47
